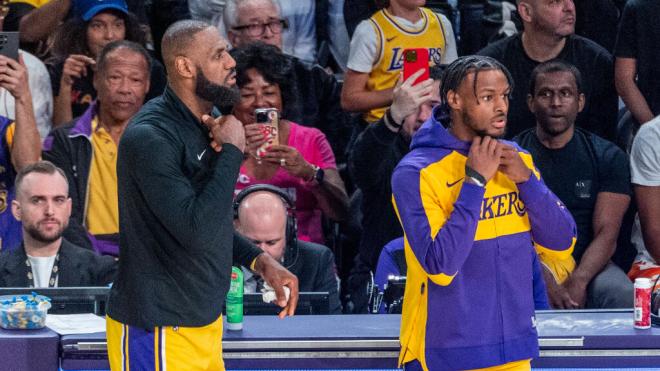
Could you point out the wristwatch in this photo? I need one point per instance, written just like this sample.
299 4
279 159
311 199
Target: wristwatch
390 120
474 177
319 175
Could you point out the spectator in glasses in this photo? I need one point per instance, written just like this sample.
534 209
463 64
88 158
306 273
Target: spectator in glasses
303 160
318 93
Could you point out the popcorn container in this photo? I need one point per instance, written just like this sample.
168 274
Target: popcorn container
23 312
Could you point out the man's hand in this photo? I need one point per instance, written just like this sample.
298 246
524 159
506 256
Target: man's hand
407 98
277 277
75 67
225 129
14 77
513 166
291 160
577 289
484 156
559 297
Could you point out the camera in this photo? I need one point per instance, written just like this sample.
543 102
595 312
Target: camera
394 290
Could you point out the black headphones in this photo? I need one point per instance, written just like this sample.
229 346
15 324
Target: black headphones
291 232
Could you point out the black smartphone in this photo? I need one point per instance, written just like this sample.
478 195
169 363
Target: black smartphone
9 44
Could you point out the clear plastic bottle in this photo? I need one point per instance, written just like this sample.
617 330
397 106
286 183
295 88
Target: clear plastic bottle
235 300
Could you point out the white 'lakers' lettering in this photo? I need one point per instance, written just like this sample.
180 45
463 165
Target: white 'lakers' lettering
501 205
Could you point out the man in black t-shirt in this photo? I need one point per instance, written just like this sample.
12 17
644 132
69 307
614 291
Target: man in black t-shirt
592 177
549 34
637 54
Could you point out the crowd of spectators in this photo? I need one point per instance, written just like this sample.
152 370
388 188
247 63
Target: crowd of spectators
585 104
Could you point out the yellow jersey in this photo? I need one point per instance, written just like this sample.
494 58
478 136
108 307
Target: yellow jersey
393 38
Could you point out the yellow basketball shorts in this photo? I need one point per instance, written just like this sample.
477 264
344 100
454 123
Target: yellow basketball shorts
164 348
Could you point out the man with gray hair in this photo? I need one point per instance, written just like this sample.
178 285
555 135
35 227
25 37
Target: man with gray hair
549 33
318 93
86 149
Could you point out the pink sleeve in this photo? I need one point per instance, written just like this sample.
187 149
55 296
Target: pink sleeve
314 146
324 154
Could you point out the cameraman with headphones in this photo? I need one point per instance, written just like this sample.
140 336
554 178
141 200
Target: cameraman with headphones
265 215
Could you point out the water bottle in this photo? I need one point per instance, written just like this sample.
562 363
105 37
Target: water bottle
235 300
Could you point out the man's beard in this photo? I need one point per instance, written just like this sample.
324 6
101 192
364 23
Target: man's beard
467 120
223 97
556 129
37 235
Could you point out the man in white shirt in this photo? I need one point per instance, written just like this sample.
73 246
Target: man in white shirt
45 259
645 176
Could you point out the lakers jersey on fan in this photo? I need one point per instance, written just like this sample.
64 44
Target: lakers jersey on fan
393 38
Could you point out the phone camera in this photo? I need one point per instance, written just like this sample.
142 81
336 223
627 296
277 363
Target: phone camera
262 116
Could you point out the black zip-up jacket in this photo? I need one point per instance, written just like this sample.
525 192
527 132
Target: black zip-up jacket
69 147
375 154
177 240
77 267
318 105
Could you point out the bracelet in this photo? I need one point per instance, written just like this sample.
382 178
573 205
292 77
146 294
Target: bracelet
471 173
390 119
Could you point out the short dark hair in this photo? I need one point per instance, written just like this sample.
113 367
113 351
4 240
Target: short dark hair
178 37
40 167
271 63
71 36
552 67
459 69
435 72
102 59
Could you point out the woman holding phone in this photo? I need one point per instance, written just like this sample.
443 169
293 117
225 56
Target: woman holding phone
294 157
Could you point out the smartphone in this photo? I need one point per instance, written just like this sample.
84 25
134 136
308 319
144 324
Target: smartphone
414 60
9 44
269 118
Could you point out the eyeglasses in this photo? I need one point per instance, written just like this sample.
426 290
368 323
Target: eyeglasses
258 29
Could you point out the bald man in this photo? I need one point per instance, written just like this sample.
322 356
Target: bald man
176 172
262 218
549 33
